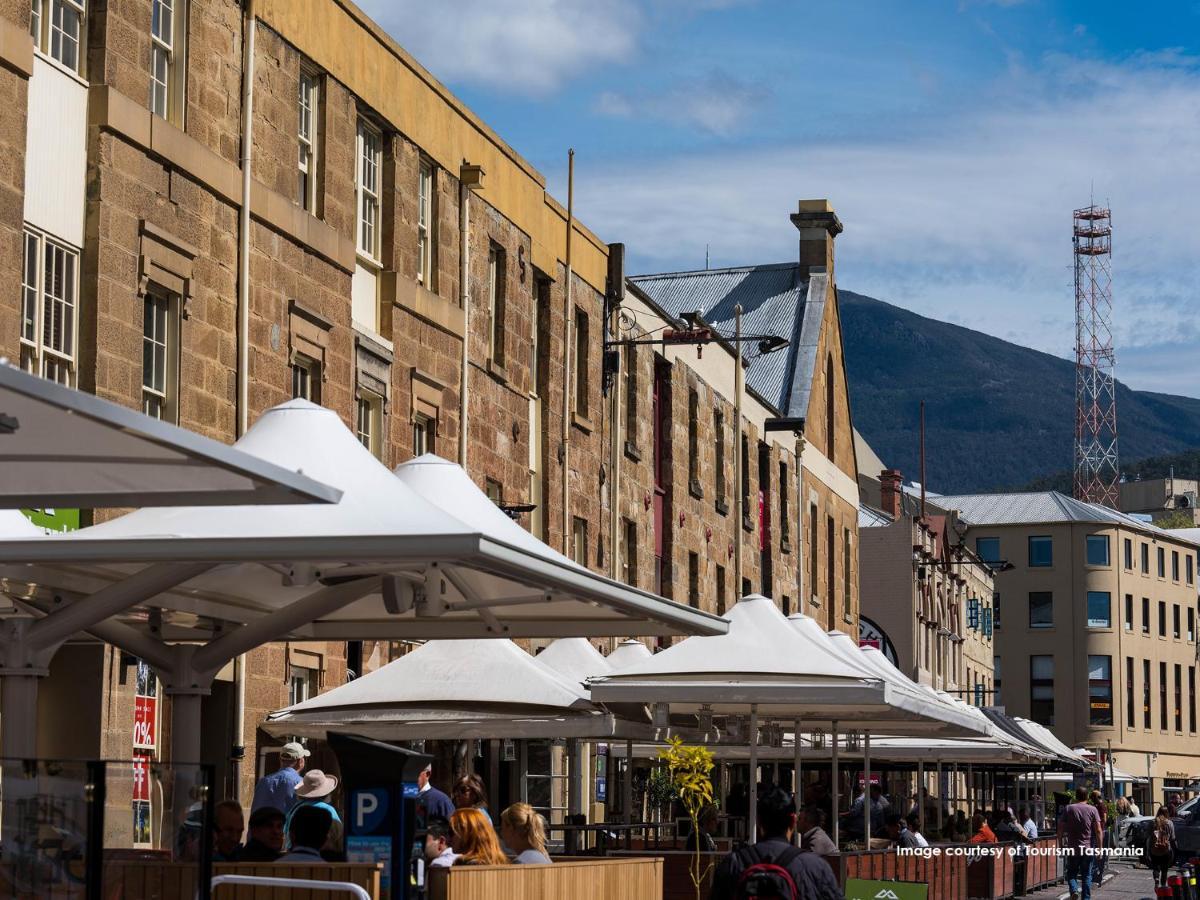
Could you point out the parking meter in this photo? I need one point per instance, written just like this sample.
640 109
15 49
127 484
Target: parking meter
380 784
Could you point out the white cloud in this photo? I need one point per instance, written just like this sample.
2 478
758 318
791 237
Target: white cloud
716 102
525 46
966 218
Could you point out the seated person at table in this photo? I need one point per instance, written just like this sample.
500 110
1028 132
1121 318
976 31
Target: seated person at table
523 830
228 823
853 822
474 839
958 828
980 832
812 832
308 832
745 872
897 830
1007 829
438 852
914 827
702 838
265 843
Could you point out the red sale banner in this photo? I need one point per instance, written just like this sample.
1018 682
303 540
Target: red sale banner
145 711
141 777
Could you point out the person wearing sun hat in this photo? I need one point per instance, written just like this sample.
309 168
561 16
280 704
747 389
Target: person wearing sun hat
278 790
315 789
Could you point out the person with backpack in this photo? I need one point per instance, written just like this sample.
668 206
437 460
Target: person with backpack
773 869
1161 846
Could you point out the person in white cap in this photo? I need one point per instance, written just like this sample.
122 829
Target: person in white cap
278 790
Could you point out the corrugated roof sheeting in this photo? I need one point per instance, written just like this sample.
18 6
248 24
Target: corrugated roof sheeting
870 518
772 299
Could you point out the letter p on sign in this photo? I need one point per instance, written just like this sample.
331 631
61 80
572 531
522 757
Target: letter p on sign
368 810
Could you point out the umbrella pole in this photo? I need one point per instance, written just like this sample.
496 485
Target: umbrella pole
752 819
627 787
921 795
835 806
971 804
941 801
796 750
868 809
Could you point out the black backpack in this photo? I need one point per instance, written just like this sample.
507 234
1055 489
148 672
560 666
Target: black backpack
765 878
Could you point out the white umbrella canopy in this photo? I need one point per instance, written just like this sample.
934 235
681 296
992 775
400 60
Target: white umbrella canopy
1047 738
574 658
626 654
456 690
60 447
408 567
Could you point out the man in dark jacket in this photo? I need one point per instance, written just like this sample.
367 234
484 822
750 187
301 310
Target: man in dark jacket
265 842
776 824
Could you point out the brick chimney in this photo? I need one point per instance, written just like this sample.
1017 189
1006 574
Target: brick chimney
891 492
818 225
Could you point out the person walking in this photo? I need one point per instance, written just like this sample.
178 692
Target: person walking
1160 847
755 870
278 790
1079 834
1100 861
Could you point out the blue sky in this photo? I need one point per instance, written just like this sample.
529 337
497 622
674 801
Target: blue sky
954 138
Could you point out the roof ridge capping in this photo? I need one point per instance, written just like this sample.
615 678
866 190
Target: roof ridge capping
649 276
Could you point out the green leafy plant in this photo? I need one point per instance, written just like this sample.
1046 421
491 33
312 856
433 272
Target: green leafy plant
689 770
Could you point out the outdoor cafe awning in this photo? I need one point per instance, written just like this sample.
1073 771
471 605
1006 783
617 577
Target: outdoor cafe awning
60 447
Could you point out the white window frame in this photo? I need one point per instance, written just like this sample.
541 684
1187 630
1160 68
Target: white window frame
307 133
497 300
424 434
306 378
368 170
49 343
160 337
425 225
167 53
47 26
369 422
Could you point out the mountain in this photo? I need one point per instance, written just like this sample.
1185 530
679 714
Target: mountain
997 415
1181 465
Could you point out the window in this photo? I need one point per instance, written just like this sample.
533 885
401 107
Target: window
160 357
424 434
1191 624
1178 697
996 610
1189 568
1041 689
579 540
370 144
631 406
49 287
306 378
1162 563
720 590
846 559
1128 553
629 540
1097 549
1162 696
1099 609
1162 618
745 477
1041 609
1174 565
988 549
1145 615
831 560
1041 552
693 580
582 378
1130 720
719 438
1129 612
303 684
812 556
494 491
426 228
996 679
369 422
693 423
497 282
1145 559
1146 693
1175 621
167 31
1192 699
57 28
1100 697
785 526
306 133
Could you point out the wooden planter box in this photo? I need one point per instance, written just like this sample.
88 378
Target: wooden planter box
628 878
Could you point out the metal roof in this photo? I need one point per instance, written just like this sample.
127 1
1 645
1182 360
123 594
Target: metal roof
872 518
1044 507
776 299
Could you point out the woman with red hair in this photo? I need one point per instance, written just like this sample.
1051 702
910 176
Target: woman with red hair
474 839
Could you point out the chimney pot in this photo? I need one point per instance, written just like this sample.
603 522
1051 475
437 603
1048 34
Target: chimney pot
891 492
818 225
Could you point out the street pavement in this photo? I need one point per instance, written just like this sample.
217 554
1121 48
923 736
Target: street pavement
1123 881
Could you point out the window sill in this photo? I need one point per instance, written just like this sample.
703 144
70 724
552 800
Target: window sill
785 546
747 523
583 423
497 371
695 489
632 451
70 73
722 506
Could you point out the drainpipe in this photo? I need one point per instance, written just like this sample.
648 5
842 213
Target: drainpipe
470 179
614 449
738 511
568 384
238 750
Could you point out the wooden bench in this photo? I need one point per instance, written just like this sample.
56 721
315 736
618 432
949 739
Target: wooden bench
630 878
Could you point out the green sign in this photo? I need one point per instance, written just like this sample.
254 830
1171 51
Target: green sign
54 519
861 889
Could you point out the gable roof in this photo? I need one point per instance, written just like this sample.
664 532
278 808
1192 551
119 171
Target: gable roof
783 299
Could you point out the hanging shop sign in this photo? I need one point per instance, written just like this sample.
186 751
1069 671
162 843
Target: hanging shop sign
871 635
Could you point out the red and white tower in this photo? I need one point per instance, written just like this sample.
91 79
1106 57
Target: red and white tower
1096 472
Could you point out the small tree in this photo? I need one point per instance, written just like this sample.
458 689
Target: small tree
689 768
